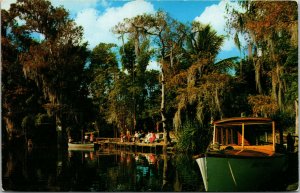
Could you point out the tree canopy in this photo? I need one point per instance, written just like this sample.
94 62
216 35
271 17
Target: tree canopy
49 76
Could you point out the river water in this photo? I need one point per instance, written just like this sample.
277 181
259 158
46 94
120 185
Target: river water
52 170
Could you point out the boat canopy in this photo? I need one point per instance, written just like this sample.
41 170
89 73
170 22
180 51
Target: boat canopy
224 133
239 121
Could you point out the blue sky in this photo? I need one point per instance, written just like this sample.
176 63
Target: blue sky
98 16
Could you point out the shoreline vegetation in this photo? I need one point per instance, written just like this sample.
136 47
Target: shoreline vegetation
55 88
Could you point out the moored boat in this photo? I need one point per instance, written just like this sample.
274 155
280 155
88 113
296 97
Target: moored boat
80 146
242 155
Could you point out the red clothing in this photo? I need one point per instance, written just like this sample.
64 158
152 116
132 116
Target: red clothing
152 138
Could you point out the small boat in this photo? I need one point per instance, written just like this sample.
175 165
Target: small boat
242 156
81 146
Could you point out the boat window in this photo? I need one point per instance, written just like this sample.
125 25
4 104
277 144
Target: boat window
264 137
227 136
253 136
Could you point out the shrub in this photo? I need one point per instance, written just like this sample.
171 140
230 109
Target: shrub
193 137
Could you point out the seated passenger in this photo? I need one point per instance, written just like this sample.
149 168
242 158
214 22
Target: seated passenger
152 137
136 137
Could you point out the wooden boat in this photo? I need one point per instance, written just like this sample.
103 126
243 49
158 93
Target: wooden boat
80 146
242 156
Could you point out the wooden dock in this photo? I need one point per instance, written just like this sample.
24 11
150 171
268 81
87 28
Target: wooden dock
115 143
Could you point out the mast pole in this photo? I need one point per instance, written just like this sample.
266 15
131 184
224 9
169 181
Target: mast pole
243 134
214 135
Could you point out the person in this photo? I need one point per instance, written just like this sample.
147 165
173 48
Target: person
92 138
290 143
147 137
86 137
136 136
128 135
122 137
152 137
29 143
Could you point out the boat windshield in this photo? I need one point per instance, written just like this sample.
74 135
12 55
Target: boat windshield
253 135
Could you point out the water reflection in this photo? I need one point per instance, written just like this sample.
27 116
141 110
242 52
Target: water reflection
28 170
46 170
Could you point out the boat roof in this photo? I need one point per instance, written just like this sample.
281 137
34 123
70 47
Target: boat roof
238 121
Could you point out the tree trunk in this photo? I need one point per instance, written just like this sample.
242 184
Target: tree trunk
296 117
165 170
137 54
257 68
63 143
241 68
162 109
9 127
280 86
274 86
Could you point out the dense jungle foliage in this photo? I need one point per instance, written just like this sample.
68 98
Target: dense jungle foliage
54 87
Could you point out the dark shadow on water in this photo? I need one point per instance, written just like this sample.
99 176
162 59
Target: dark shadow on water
28 170
52 170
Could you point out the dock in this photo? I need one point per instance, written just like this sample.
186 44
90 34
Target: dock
116 143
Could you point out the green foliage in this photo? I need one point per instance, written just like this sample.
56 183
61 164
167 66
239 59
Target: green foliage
193 137
51 74
28 122
284 121
271 28
187 168
42 119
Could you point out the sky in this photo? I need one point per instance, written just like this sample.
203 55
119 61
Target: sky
97 17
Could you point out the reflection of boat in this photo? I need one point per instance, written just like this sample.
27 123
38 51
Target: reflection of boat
242 156
80 146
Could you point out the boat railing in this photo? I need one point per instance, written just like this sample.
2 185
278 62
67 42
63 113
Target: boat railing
262 148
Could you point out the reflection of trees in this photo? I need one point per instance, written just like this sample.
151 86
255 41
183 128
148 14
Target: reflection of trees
13 170
29 171
79 173
168 174
180 173
133 173
41 170
187 173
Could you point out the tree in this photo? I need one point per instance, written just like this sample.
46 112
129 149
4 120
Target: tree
271 31
56 61
203 82
19 96
103 72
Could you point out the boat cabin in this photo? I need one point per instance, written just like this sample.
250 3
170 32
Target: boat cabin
245 133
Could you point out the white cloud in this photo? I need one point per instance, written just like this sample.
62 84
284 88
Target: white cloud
153 65
75 6
215 16
97 26
5 4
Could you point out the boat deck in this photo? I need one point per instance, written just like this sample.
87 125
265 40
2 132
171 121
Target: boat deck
247 153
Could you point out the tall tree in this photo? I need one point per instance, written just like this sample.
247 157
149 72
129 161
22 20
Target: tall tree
103 72
200 82
201 86
271 30
56 61
20 97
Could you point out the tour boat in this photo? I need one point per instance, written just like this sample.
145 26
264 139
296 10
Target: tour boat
80 146
242 156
